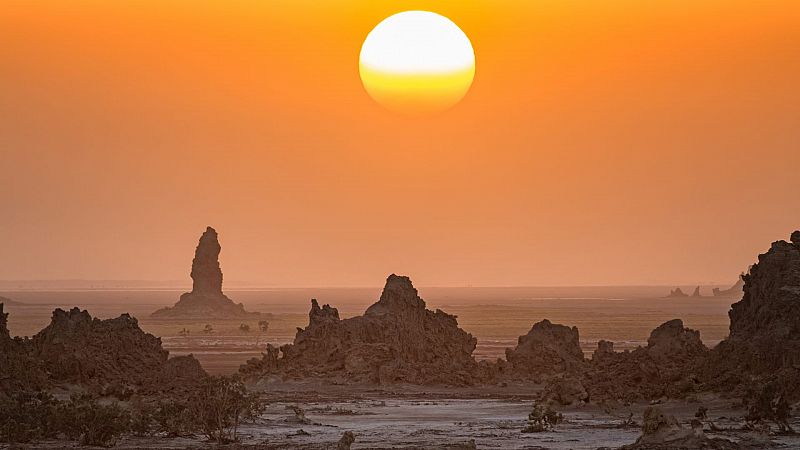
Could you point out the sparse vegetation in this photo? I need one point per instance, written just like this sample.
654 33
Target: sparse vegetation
208 329
263 326
244 328
216 410
221 405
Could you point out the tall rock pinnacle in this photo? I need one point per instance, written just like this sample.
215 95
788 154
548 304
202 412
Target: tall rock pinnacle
206 299
206 273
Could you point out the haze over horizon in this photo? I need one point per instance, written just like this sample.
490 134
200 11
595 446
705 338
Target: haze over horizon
601 143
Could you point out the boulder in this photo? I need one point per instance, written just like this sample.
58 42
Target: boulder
206 299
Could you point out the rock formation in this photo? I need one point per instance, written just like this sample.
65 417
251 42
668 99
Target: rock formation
676 293
107 356
763 347
8 301
3 324
548 349
661 431
696 292
206 299
397 340
662 368
734 291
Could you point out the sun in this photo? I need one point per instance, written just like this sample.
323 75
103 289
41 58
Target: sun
417 62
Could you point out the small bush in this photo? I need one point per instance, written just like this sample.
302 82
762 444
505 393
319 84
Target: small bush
221 405
92 423
28 416
542 418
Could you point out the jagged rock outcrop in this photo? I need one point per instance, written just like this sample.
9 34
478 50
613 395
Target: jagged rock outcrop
397 340
676 293
696 292
734 291
763 347
206 299
662 368
548 349
111 356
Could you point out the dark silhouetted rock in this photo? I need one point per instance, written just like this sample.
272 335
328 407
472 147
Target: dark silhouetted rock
112 356
346 441
677 293
206 299
4 335
397 340
546 350
696 292
663 368
764 342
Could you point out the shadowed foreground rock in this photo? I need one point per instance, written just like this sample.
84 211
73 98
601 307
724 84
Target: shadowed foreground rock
763 349
663 368
734 291
397 340
548 349
663 432
111 356
206 299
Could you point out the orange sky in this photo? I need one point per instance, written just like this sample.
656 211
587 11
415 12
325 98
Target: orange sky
603 142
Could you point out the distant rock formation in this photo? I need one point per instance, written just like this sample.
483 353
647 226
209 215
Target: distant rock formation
734 291
111 357
9 302
397 340
696 292
547 349
676 293
663 368
763 348
206 299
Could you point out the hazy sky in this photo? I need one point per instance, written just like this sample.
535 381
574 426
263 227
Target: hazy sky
603 142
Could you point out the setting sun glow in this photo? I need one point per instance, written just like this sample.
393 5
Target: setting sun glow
417 62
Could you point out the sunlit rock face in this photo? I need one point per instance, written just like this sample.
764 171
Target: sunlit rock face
764 342
397 340
206 300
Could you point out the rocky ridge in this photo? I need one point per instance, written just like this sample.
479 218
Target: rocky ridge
111 357
397 340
